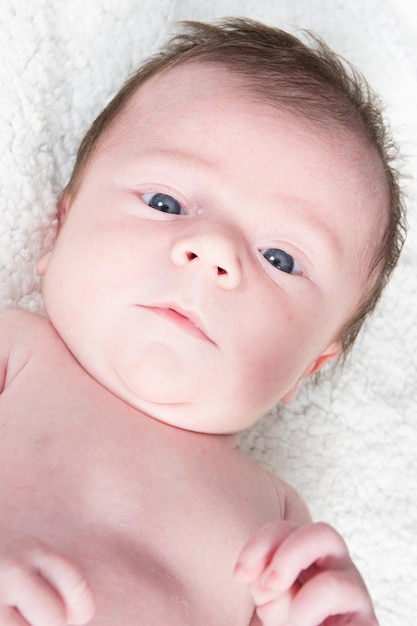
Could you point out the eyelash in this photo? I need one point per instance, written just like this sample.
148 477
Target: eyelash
270 254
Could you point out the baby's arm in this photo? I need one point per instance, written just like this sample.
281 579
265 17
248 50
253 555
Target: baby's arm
4 349
13 343
301 573
19 332
39 587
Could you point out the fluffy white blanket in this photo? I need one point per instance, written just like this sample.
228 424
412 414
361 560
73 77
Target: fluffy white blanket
349 446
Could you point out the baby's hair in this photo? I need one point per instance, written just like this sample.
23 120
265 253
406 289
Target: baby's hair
306 79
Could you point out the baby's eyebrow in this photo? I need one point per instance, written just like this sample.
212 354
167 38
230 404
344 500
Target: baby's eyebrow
180 155
306 213
301 216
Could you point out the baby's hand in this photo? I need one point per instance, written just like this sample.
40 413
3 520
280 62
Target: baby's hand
39 587
304 576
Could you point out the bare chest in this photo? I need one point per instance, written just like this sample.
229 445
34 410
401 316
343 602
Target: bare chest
154 516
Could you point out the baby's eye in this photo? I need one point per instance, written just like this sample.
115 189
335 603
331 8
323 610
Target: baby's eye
281 260
163 202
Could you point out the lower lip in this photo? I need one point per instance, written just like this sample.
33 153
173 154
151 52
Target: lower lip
181 321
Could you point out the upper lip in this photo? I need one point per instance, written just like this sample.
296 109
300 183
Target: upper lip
189 315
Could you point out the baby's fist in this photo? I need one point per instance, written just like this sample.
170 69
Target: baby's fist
304 576
39 587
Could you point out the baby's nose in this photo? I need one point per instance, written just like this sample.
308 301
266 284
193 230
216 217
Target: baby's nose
213 251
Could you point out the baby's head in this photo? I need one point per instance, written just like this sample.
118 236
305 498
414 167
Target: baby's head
231 220
310 82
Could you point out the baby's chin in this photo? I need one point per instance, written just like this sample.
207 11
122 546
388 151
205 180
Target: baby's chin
179 400
193 415
154 399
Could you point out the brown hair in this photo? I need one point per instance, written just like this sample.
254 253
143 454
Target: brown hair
308 79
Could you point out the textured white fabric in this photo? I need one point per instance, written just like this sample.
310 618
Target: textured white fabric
349 446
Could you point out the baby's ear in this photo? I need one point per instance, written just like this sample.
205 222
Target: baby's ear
331 352
43 264
63 204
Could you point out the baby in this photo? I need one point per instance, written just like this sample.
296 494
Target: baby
231 219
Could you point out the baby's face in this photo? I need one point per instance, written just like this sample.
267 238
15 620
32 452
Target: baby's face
212 253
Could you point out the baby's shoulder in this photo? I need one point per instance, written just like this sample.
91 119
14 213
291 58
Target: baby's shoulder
20 332
294 508
17 324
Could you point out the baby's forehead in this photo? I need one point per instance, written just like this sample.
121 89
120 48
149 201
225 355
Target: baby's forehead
194 81
154 103
191 80
226 81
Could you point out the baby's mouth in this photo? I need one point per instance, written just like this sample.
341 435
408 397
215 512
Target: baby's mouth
187 321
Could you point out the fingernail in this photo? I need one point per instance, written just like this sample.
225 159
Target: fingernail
270 580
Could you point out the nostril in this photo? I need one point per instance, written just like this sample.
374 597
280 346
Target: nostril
191 256
220 271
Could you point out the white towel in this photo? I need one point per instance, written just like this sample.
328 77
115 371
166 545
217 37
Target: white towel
350 445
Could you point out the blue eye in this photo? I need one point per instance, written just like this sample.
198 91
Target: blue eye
163 202
281 260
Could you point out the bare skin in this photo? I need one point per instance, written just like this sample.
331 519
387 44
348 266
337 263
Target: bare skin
153 539
164 283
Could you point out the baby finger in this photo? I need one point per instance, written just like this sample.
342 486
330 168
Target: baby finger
32 597
314 546
10 617
259 550
72 586
276 611
329 594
